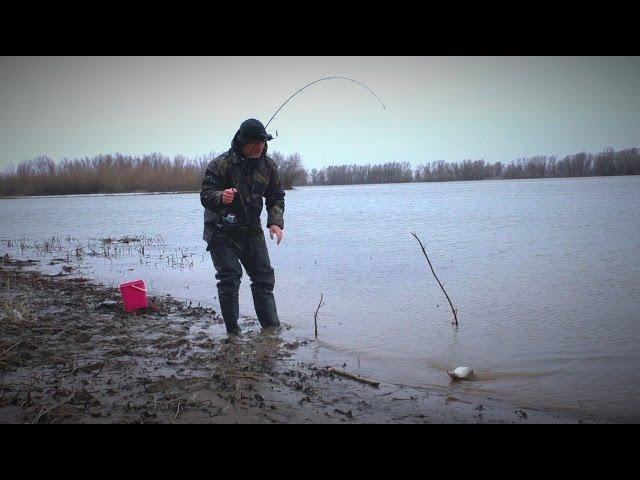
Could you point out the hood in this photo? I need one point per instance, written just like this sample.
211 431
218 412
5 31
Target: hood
237 148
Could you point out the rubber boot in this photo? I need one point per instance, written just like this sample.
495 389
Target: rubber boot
265 305
230 314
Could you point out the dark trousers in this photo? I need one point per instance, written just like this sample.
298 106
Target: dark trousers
255 259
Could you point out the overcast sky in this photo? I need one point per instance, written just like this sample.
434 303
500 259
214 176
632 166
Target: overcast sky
438 108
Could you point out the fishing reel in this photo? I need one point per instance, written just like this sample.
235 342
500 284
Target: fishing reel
231 225
230 220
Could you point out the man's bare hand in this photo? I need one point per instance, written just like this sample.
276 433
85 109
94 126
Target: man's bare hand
278 231
227 195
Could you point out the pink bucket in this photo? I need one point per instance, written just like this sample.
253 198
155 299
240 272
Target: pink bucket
134 295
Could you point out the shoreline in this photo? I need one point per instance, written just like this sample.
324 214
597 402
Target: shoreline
107 194
70 354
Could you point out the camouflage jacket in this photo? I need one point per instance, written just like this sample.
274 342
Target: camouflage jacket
253 179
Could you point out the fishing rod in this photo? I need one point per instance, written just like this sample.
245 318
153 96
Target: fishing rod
316 81
321 80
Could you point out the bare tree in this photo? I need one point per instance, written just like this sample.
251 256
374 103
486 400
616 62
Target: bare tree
290 169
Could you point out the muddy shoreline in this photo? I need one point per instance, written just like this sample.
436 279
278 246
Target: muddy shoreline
70 354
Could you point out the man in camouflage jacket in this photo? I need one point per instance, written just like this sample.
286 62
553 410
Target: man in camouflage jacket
232 191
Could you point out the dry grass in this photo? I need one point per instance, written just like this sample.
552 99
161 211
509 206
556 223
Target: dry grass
6 351
15 313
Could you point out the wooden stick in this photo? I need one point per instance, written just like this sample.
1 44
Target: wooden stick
353 376
315 315
455 317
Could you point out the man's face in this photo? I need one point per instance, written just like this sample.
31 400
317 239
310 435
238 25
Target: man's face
253 149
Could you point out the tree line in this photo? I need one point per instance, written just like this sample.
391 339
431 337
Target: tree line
608 162
122 173
159 173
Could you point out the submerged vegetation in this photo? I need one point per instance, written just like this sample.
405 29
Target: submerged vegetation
158 173
72 253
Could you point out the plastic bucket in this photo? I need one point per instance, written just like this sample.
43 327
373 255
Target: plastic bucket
134 295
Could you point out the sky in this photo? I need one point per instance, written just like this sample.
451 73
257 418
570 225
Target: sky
437 108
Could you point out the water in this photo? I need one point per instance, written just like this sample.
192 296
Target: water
544 274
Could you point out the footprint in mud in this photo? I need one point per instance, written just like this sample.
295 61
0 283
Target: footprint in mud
92 366
118 352
162 385
207 344
168 342
82 337
173 383
172 345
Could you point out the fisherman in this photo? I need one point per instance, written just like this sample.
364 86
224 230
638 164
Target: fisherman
232 191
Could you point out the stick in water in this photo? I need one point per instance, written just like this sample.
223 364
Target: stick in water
455 317
315 315
355 377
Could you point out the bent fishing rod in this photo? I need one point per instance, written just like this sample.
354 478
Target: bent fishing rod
321 80
317 81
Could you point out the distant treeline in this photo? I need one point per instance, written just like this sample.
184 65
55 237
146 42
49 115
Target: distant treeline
159 173
608 162
121 173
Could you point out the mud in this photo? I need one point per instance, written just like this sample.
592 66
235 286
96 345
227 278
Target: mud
69 353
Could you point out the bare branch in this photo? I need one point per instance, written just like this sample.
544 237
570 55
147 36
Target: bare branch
455 316
315 315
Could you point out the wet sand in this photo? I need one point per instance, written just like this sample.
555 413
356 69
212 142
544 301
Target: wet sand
69 353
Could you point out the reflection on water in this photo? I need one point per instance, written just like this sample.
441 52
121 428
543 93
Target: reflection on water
544 274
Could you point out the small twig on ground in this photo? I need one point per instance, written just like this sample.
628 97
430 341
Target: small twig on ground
389 393
355 377
315 315
12 346
455 316
69 373
221 410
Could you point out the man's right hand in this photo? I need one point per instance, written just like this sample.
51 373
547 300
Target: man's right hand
227 195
